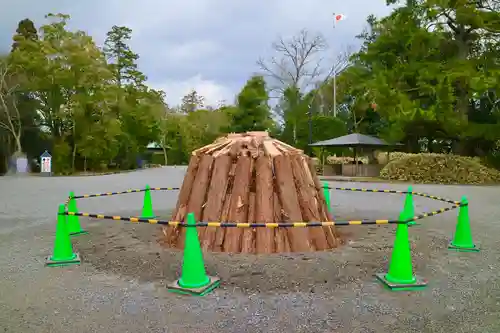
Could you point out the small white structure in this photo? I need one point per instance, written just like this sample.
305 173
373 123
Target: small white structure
18 164
22 165
46 164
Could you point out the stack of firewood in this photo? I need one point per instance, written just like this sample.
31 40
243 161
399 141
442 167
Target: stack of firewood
251 177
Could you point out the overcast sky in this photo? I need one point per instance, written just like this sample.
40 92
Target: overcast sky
208 45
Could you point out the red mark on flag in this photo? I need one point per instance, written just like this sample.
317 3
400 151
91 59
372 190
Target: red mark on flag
339 17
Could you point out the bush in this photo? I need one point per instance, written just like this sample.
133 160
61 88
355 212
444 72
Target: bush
158 158
439 168
345 160
61 158
381 156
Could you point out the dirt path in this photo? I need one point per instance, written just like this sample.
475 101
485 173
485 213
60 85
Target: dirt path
120 287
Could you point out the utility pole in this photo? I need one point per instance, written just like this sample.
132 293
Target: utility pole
336 18
309 114
335 91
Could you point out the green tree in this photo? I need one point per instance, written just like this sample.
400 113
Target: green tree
122 59
463 26
252 112
192 102
63 71
434 79
22 105
295 108
175 137
138 108
205 126
26 30
323 128
94 113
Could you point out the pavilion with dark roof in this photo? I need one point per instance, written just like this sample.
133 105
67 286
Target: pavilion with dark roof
356 141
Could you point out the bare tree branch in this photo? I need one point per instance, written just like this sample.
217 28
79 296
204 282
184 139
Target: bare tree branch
10 118
298 64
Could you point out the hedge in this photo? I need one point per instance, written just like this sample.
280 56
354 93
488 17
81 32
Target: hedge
440 169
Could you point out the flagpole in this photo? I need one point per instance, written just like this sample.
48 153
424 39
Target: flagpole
334 71
334 91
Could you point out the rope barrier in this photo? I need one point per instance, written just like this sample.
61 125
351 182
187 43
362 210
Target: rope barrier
420 194
84 196
424 195
455 204
433 197
262 225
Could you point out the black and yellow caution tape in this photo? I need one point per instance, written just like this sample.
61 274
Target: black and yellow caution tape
262 225
433 197
455 204
125 192
368 190
372 190
424 195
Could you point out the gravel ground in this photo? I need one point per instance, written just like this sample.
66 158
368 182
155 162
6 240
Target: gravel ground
120 286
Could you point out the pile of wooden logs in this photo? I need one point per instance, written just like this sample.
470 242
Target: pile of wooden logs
251 177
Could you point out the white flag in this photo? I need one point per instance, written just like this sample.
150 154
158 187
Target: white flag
338 18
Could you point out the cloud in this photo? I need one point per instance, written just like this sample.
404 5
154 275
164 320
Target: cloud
209 44
214 93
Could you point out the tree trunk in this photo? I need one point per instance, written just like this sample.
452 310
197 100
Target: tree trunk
19 147
73 156
164 156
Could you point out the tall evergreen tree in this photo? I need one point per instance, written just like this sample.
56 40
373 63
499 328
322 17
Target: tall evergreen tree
25 30
123 60
252 112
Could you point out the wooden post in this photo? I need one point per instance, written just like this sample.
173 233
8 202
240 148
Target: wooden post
238 209
215 199
264 189
299 239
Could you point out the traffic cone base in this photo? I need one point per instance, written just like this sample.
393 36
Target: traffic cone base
81 232
417 283
176 287
458 248
147 217
52 261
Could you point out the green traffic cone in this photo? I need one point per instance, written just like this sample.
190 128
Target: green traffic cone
326 193
63 250
147 206
74 227
400 275
409 209
194 279
463 236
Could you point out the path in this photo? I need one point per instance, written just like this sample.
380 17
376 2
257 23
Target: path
120 285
